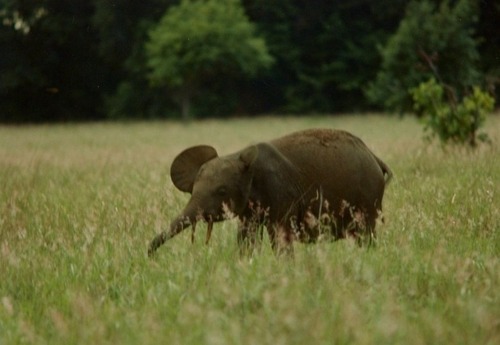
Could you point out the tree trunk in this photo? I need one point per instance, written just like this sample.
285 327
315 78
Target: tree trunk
185 102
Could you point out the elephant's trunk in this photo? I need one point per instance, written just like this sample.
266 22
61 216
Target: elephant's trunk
189 217
179 224
186 218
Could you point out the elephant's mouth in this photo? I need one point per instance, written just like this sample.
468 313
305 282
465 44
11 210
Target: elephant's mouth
210 224
210 217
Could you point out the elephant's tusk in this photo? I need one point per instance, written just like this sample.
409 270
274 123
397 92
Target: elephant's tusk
193 225
209 230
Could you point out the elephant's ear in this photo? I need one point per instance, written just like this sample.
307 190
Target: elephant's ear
186 165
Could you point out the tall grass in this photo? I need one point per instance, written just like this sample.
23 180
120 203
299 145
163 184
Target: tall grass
79 204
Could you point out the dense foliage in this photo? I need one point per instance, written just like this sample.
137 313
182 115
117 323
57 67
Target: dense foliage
67 60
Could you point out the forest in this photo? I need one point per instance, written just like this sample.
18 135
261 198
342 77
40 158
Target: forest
86 60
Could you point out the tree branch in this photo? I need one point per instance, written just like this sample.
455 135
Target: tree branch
450 91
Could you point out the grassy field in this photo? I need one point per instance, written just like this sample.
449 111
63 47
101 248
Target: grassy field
79 204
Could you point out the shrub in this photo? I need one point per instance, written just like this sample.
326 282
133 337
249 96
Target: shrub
448 119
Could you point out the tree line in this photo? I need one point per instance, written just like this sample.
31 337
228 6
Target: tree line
91 59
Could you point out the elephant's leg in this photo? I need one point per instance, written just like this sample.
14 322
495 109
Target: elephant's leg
281 239
371 222
362 228
249 236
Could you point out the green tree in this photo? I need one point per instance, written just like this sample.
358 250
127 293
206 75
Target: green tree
431 41
198 41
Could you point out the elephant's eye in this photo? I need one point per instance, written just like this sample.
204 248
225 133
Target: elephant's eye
222 191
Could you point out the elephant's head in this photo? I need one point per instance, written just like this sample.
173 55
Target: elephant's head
218 186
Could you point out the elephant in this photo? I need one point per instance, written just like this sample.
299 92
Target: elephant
303 186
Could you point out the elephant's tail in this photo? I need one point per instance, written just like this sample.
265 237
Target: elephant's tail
385 170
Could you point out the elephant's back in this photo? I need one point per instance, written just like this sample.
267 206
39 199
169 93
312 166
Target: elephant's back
338 161
308 146
316 139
